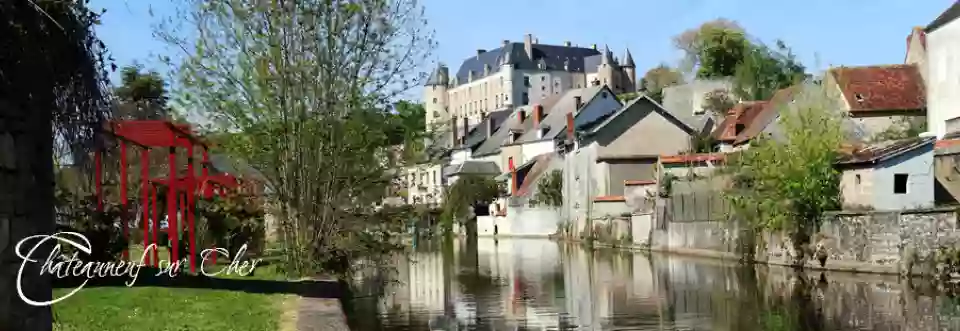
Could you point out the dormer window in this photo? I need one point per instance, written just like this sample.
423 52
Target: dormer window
859 97
542 132
514 136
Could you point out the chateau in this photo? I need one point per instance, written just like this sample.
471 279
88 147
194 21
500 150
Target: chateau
519 74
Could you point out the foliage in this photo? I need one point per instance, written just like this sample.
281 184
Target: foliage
714 49
53 65
658 78
702 143
785 184
305 88
467 191
718 102
550 189
903 128
626 97
228 222
666 184
766 70
143 94
409 129
77 211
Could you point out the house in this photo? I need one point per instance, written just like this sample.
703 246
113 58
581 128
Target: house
757 121
878 97
734 123
617 151
528 118
518 73
943 101
687 100
890 175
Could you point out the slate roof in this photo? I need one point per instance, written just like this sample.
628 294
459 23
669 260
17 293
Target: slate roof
881 88
879 152
478 133
553 56
540 166
547 103
556 118
742 113
473 167
946 17
670 116
492 144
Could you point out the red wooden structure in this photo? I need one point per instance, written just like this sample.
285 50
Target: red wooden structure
181 190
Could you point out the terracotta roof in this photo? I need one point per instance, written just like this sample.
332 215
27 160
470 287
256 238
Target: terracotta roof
742 113
881 151
767 114
540 165
610 198
687 158
873 88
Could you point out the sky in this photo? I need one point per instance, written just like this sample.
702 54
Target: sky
820 32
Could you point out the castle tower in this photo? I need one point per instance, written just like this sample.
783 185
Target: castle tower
435 98
630 69
507 66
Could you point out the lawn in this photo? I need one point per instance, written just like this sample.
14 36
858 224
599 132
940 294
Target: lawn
175 309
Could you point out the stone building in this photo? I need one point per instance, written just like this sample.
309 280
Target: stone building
518 74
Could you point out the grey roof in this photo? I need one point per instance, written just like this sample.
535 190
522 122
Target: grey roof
473 167
946 17
478 134
879 152
682 123
555 119
628 60
439 76
492 144
552 56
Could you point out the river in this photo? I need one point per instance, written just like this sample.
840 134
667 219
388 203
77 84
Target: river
531 284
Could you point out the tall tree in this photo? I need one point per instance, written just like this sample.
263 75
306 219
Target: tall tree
307 84
143 94
52 84
766 70
713 49
658 78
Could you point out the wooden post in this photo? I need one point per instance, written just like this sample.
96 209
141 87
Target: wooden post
172 186
156 225
123 200
145 192
191 190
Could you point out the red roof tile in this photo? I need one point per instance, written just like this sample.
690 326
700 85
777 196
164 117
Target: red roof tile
767 114
878 88
743 113
687 158
610 198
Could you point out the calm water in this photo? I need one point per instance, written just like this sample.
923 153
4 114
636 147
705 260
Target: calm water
542 285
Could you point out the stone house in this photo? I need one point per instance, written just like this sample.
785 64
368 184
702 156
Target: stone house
734 123
942 68
891 175
878 97
603 158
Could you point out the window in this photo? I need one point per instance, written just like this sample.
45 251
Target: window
526 81
603 95
434 100
900 183
543 78
525 100
543 88
857 179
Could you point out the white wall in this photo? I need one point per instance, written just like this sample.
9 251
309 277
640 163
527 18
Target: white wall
459 156
532 149
918 165
943 63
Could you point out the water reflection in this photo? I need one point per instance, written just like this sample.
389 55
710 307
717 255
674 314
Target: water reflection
541 285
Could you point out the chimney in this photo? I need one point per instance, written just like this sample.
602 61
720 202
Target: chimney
466 126
491 125
470 76
537 114
528 45
566 43
570 126
594 46
506 42
536 41
521 116
481 51
577 102
453 127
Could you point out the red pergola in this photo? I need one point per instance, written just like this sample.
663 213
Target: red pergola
150 134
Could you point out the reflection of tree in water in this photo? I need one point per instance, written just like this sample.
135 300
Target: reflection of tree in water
750 306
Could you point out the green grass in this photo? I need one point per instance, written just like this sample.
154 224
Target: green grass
173 309
166 309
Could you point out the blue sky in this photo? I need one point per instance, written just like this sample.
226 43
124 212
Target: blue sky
821 32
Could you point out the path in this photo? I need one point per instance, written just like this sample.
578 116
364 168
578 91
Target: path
318 307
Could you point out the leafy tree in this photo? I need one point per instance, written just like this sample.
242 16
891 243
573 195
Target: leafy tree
143 94
766 70
468 191
903 128
658 78
718 102
307 86
714 49
785 184
550 189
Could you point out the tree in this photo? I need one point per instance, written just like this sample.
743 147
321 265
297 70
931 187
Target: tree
467 191
143 94
550 189
718 102
766 70
52 91
658 78
785 184
409 129
903 128
307 86
714 49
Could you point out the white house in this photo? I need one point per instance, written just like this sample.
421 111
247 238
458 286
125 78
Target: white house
891 175
943 68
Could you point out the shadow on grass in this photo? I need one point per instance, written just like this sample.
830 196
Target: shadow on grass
152 277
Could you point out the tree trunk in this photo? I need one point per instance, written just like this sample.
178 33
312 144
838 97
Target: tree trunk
26 209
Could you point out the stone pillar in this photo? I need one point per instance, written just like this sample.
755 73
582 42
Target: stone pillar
26 209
